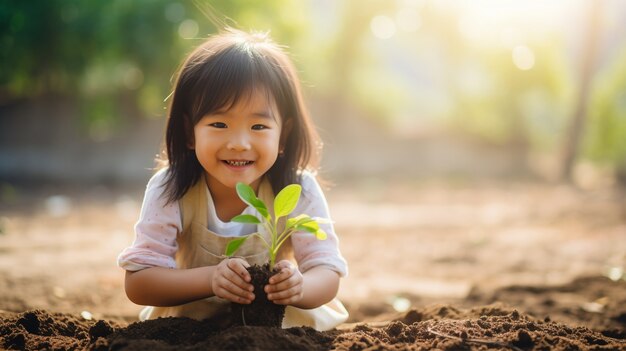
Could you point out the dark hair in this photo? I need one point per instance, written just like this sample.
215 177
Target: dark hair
216 75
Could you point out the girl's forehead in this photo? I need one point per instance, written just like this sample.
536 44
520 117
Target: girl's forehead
254 98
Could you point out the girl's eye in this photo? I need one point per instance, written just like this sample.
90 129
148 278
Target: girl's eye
218 125
259 127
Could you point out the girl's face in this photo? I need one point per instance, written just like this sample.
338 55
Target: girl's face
239 144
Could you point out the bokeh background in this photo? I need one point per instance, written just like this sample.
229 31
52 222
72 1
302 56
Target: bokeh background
466 142
397 88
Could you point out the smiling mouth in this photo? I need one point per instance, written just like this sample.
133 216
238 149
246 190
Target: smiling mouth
238 163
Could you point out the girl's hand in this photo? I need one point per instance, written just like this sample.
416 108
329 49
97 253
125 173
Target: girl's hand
285 287
231 281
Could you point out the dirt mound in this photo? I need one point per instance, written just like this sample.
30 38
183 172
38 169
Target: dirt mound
594 302
443 327
538 247
40 330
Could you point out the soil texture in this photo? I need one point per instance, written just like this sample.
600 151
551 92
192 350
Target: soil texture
443 327
261 312
445 266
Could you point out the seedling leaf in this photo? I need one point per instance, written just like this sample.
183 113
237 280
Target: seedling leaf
260 206
246 218
286 200
306 229
284 204
234 245
299 220
322 220
312 226
321 235
247 195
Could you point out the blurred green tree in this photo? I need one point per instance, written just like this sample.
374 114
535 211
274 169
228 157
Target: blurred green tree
522 109
501 102
117 58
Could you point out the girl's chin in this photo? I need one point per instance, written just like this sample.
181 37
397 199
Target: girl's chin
231 183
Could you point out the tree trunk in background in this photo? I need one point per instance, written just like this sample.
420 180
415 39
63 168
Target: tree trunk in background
518 144
577 126
356 19
347 48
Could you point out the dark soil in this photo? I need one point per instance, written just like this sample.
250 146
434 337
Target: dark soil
476 254
261 312
596 302
442 327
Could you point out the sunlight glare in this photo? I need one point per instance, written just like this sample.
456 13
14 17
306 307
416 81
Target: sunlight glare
401 304
470 28
510 37
523 57
414 3
408 19
383 27
188 29
615 273
510 22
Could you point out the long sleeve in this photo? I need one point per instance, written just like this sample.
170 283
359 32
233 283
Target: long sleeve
308 250
155 232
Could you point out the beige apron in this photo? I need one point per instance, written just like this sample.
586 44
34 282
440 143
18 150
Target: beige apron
198 247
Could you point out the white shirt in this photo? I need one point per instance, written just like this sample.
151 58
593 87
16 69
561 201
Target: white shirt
159 225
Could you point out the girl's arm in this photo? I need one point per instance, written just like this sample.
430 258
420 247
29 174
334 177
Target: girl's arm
320 285
151 274
158 286
310 252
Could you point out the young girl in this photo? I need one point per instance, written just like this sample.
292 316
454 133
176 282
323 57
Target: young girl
237 115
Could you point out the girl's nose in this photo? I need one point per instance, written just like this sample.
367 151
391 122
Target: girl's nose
239 142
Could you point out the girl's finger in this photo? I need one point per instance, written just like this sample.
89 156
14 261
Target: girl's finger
283 264
224 292
231 277
286 284
229 285
288 301
239 267
284 294
243 290
284 274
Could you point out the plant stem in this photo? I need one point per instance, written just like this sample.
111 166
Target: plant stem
284 234
284 237
271 227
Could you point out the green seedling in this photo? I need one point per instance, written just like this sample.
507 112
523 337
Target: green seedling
284 203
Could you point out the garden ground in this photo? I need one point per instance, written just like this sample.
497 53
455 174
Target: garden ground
448 265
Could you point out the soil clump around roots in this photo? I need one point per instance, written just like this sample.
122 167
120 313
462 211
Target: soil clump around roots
261 312
442 327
